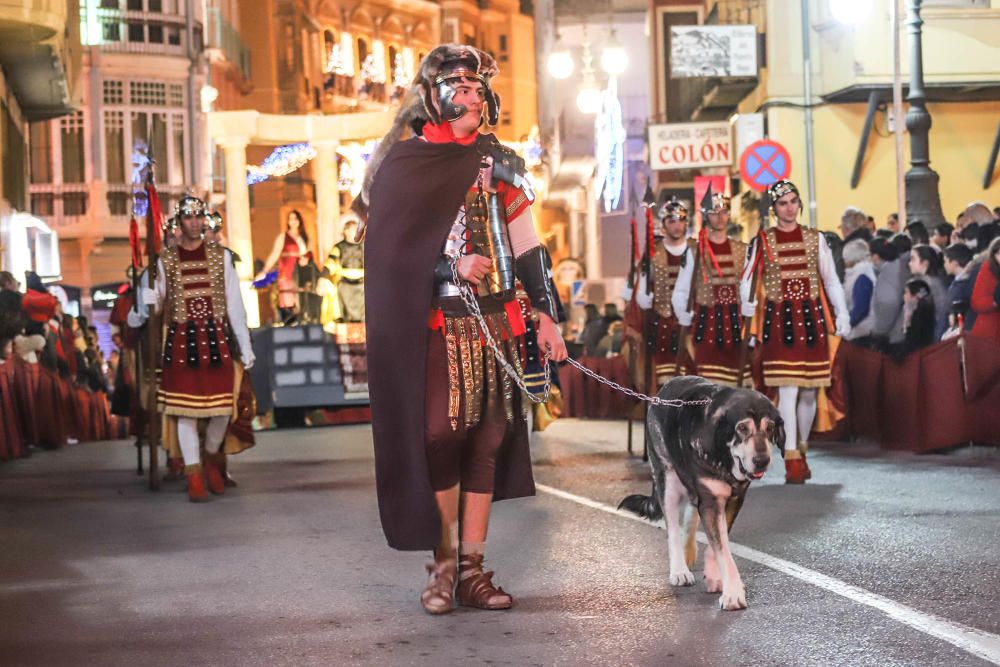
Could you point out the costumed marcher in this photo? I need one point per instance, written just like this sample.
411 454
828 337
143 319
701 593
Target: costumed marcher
205 334
346 267
714 277
795 267
449 428
656 296
291 249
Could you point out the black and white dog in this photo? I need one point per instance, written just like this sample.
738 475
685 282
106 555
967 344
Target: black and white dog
706 454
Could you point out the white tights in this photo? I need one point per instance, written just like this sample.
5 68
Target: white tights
797 406
187 436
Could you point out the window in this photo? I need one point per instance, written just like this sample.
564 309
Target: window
114 145
362 50
40 134
134 5
114 92
110 4
155 33
72 144
111 31
43 203
174 36
155 6
148 93
176 175
136 32
176 95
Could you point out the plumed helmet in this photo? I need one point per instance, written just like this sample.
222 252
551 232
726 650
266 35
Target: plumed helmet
189 205
438 72
447 64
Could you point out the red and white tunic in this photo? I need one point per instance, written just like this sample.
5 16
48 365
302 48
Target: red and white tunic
667 264
794 331
203 308
716 322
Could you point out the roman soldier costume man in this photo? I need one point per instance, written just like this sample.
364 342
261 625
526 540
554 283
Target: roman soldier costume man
205 333
715 279
795 267
668 257
449 225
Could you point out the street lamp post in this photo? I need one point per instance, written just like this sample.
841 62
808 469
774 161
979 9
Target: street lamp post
923 202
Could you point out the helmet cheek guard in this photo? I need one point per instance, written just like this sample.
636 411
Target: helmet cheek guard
492 107
446 96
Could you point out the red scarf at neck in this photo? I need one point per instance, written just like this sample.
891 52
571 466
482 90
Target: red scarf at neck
444 134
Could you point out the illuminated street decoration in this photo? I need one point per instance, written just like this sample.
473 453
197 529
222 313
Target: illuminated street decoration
354 157
283 160
609 149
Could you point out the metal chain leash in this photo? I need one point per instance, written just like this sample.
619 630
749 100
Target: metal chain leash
465 291
655 400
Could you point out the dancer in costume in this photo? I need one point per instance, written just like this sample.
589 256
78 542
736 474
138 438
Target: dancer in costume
795 266
716 316
449 427
206 332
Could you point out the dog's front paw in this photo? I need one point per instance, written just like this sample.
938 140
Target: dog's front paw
734 599
713 585
684 578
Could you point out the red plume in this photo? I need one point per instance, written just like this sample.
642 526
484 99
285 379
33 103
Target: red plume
135 244
155 217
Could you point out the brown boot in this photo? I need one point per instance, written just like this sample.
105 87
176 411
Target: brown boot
224 469
795 467
197 493
475 585
438 596
216 483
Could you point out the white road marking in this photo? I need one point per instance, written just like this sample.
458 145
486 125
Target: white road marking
979 643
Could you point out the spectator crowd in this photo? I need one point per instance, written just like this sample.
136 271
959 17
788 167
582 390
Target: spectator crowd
55 381
910 288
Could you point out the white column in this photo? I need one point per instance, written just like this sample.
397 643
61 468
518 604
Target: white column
327 197
238 229
238 204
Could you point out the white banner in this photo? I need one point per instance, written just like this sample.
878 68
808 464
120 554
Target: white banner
690 145
713 50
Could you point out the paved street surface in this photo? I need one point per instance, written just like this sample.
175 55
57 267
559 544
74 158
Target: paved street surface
883 559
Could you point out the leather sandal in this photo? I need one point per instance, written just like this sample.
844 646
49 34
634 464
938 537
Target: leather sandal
439 593
475 586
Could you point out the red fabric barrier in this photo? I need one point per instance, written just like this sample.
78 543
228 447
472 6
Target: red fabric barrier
584 397
25 381
919 404
11 445
49 409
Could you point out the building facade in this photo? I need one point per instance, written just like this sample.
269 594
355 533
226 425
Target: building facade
851 70
39 64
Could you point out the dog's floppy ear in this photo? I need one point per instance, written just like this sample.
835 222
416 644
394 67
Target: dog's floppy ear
779 432
725 431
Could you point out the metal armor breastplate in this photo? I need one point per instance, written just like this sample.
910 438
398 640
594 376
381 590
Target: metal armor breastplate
481 228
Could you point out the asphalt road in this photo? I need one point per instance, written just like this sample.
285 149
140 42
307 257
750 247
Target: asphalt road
883 559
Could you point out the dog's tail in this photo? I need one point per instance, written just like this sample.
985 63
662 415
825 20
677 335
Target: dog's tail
648 507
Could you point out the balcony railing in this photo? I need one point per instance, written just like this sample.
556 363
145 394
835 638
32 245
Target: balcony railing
220 34
60 205
120 31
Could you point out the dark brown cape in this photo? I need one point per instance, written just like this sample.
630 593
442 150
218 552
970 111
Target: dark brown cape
414 199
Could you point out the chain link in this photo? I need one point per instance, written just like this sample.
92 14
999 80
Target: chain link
465 291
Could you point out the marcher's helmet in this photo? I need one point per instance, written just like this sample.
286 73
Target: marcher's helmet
189 205
720 202
449 64
779 189
672 210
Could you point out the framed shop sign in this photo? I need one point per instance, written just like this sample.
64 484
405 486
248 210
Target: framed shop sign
690 145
